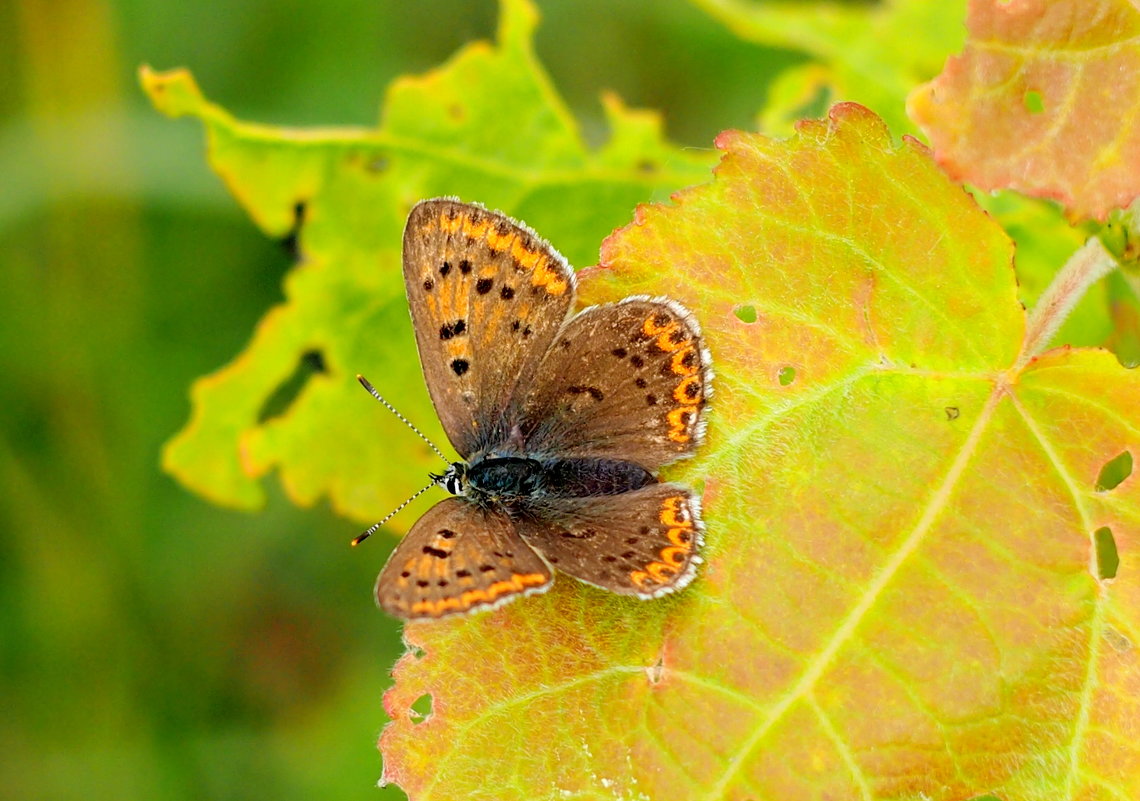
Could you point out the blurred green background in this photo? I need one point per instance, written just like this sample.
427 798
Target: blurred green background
154 646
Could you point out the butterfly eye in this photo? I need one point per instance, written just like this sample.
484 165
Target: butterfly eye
454 479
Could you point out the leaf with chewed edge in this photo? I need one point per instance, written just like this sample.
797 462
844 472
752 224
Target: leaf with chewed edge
1044 99
487 127
907 590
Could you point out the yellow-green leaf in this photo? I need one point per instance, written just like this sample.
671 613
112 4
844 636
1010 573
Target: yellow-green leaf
906 591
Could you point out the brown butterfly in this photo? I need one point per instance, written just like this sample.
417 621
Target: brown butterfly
561 419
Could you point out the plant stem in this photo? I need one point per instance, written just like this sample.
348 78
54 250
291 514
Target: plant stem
1083 269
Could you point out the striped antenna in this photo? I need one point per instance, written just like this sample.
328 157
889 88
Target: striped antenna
372 529
372 391
435 480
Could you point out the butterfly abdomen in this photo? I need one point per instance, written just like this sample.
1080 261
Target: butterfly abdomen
583 478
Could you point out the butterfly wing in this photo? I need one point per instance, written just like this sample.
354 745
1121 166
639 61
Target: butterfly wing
626 381
487 297
459 558
641 543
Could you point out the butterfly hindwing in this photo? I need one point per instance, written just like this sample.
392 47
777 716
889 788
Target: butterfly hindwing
641 543
626 380
487 297
459 557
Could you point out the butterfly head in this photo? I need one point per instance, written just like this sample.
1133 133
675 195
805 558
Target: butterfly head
454 479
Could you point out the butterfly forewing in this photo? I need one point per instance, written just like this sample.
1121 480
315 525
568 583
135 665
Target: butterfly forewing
487 297
641 543
459 557
627 381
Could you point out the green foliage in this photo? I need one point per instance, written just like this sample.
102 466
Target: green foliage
918 579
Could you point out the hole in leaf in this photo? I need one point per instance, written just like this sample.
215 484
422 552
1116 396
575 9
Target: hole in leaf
654 671
952 412
279 401
1117 639
786 375
1114 471
745 313
986 797
1107 559
1033 102
417 652
290 242
420 710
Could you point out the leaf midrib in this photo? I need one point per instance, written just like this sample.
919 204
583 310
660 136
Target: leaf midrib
823 660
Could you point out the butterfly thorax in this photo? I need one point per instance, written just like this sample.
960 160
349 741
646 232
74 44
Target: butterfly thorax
514 480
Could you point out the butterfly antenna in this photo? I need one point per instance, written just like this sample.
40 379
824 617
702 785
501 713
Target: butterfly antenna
372 391
372 529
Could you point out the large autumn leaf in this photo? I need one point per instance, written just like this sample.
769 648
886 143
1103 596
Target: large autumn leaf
1044 99
907 591
487 126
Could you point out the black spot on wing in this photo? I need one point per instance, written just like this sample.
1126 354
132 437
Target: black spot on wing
449 330
593 392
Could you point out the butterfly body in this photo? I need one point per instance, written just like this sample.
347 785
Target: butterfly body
520 482
561 420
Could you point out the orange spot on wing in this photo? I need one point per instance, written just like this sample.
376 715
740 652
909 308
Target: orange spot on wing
469 598
475 229
491 329
678 365
450 225
681 536
679 420
674 556
662 573
498 242
525 257
546 276
681 395
652 329
675 512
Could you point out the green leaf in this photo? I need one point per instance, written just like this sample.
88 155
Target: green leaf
871 53
907 587
488 127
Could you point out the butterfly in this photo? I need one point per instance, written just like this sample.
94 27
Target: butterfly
561 420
